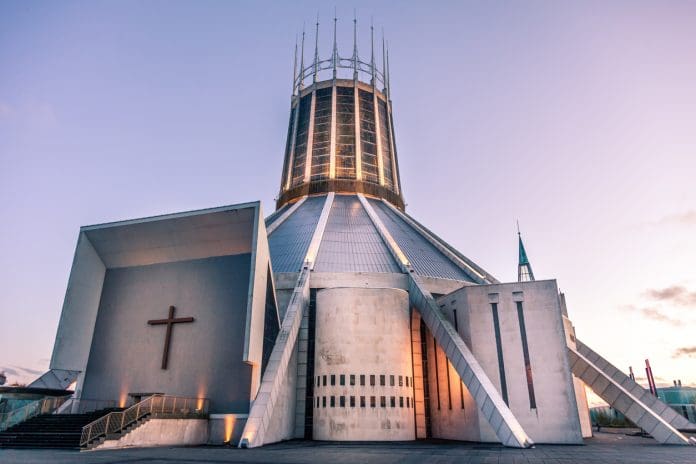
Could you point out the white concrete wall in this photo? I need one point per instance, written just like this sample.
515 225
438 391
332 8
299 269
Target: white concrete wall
361 331
162 432
578 385
555 418
80 309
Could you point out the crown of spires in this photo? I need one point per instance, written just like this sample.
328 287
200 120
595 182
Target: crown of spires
335 62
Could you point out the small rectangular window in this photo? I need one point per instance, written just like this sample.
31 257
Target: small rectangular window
383 401
382 380
342 401
317 401
342 379
391 381
362 380
372 402
333 401
407 381
401 380
333 379
362 401
318 380
372 380
401 401
392 401
352 401
352 379
408 402
323 401
323 380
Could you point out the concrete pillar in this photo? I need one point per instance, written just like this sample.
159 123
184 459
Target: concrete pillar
363 337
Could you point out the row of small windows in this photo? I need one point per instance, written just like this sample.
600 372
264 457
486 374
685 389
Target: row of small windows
363 404
322 380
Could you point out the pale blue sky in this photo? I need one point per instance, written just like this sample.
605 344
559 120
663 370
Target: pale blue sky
577 118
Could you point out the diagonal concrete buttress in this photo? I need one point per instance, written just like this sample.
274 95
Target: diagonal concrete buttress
261 414
263 407
488 399
627 397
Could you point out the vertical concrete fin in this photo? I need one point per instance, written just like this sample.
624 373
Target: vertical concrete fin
274 378
625 396
509 431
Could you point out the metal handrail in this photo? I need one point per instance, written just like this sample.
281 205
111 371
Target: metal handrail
42 406
160 405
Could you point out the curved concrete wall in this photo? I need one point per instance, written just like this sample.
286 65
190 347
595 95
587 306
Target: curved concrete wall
363 372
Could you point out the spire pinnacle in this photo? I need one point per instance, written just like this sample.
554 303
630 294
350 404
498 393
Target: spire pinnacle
300 84
355 46
384 63
524 268
294 68
334 56
316 51
372 51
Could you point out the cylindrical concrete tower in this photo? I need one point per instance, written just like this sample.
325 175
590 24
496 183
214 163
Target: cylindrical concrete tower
341 132
362 365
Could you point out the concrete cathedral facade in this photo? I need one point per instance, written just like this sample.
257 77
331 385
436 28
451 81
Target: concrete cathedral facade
337 317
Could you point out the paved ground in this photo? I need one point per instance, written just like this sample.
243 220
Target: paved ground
604 448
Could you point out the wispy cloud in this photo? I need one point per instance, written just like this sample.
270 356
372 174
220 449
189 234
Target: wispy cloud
687 218
652 313
685 352
676 294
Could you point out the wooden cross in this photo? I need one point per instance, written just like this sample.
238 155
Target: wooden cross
170 321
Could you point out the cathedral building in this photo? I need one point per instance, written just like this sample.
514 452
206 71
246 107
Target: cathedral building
337 317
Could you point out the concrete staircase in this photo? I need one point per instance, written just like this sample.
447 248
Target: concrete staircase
629 398
50 430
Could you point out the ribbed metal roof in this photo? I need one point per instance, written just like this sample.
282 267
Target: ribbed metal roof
289 242
275 214
351 242
423 256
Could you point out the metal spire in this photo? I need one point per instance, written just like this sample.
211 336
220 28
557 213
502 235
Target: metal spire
384 64
294 68
387 78
300 84
524 268
316 51
355 46
372 50
334 57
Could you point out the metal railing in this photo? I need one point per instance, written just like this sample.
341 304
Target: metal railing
42 406
156 405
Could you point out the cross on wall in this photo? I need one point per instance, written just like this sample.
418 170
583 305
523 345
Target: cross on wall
170 321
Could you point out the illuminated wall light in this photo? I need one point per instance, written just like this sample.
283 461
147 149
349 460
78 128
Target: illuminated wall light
123 397
229 428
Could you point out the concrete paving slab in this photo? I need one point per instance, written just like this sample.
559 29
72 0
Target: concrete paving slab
603 448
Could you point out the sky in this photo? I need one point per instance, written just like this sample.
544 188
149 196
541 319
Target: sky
575 118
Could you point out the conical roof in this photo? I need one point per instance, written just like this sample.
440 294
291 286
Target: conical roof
352 243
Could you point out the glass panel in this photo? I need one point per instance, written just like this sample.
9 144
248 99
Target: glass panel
386 144
298 168
321 144
368 138
288 147
345 133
